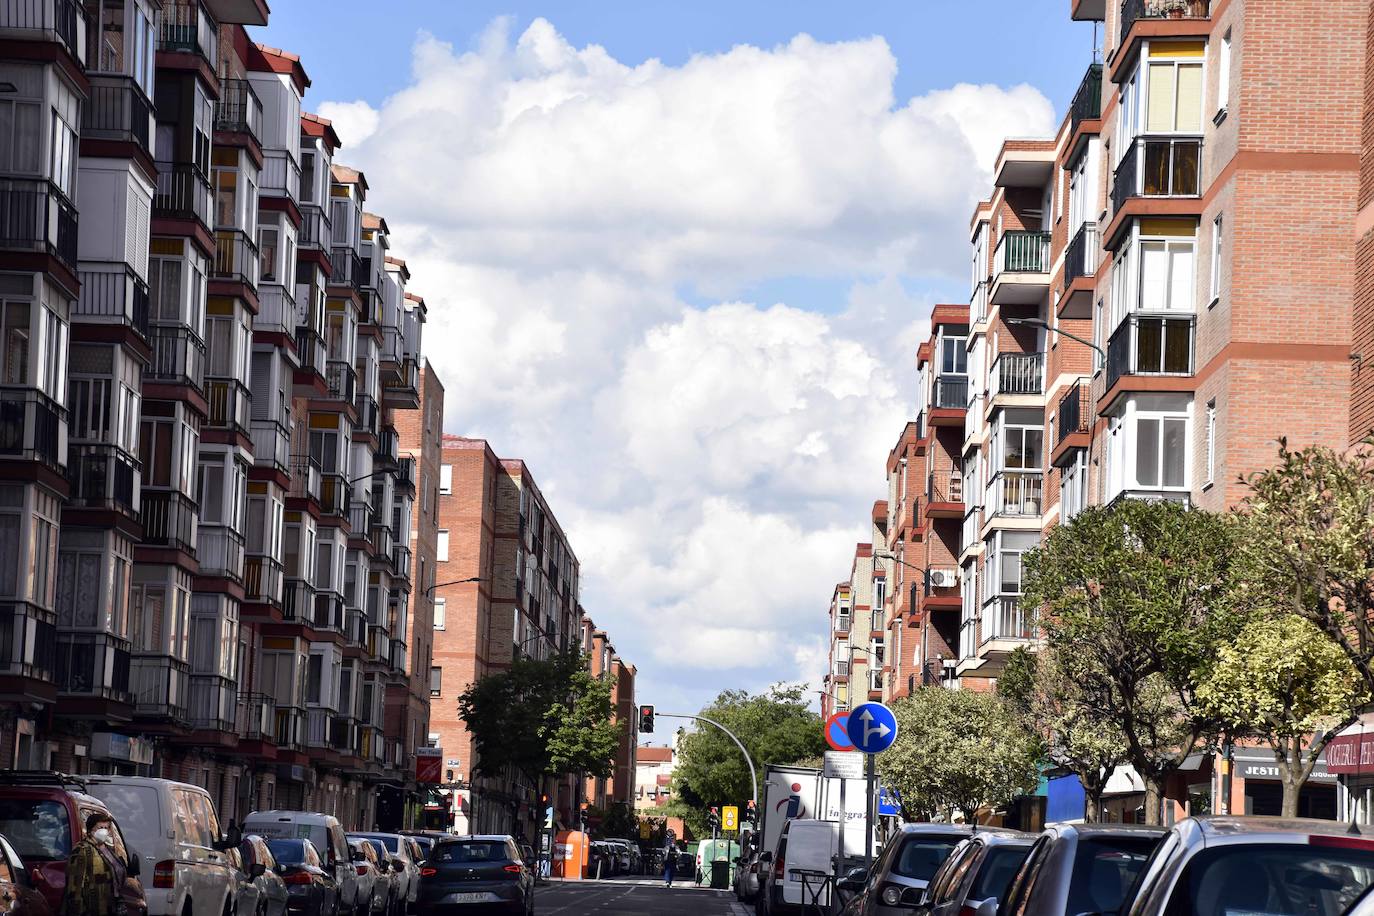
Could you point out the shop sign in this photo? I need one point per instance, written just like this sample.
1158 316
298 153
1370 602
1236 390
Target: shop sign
1351 754
429 765
114 746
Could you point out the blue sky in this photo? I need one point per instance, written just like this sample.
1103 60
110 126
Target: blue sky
688 293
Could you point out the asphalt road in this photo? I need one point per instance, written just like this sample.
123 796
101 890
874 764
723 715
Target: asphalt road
640 897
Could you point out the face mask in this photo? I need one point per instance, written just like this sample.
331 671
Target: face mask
102 835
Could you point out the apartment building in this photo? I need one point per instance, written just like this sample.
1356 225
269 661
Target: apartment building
200 584
654 777
858 626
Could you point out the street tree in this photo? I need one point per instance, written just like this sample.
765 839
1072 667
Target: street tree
1077 736
777 727
958 750
542 717
1309 545
1286 682
1136 598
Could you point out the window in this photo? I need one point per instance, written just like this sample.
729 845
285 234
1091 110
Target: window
14 330
20 142
307 177
445 479
1214 287
441 546
953 356
1174 103
1224 74
1073 486
267 248
1161 447
314 677
1166 275
64 145
1211 441
436 681
440 611
164 288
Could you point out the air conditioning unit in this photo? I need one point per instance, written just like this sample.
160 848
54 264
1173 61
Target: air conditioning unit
944 578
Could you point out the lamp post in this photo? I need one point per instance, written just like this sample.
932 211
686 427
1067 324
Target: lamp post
1041 323
429 592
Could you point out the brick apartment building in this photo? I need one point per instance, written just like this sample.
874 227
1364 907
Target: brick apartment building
858 614
207 522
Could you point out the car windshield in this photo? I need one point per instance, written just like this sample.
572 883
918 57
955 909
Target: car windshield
470 852
378 848
37 828
136 809
289 852
921 857
995 874
1104 869
1276 879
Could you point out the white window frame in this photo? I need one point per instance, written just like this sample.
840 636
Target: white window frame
1214 284
1211 443
1223 77
445 479
441 545
440 612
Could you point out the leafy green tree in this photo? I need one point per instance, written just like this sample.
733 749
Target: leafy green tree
1137 598
776 727
958 750
1077 736
1288 683
1309 544
539 718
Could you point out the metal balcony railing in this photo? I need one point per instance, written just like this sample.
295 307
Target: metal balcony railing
1019 373
1004 618
46 20
289 727
393 344
93 665
170 519
160 685
382 540
1019 493
355 627
1134 10
32 427
405 473
28 641
341 380
213 703
117 110
36 216
369 414
388 448
1144 345
185 27
951 392
400 562
345 268
298 602
360 517
315 227
178 356
1158 167
334 495
842 668
183 193
1087 102
112 296
276 310
306 478
1075 410
220 551
945 486
1081 257
239 110
310 349
256 716
281 175
236 257
328 612
262 579
230 404
398 656
271 445
103 477
1020 251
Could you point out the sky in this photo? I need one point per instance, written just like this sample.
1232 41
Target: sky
678 257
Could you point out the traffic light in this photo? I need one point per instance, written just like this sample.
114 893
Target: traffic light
646 718
750 814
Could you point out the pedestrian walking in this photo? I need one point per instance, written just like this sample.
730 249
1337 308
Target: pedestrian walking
95 873
669 865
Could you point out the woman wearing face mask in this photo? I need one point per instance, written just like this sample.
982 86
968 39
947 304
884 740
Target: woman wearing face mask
95 873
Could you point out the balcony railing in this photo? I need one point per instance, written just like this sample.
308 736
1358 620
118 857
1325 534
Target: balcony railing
103 477
36 216
271 445
170 519
388 447
213 703
256 716
1020 251
328 613
355 627
262 579
405 473
1150 346
345 268
382 540
298 602
276 310
1081 257
951 391
360 516
117 110
945 486
1075 410
1018 493
116 296
1135 10
1157 167
341 380
236 257
315 227
220 551
230 404
369 414
28 642
311 350
334 494
178 356
400 562
93 665
32 427
1019 373
1087 102
186 28
306 478
63 20
289 727
281 175
239 110
182 193
1004 618
161 686
398 656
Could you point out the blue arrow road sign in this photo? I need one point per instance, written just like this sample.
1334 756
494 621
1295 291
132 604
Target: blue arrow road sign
872 728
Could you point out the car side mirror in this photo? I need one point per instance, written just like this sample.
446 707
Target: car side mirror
850 884
134 866
257 870
280 869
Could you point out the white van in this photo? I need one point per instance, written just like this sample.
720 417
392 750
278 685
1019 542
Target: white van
327 834
186 868
795 881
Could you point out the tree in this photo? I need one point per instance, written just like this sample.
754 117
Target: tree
1281 680
776 727
1309 544
548 717
1136 599
958 750
1077 736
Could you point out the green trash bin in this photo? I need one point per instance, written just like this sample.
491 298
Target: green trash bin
720 875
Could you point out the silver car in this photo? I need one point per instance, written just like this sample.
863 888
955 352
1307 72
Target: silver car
1080 868
405 868
1222 866
907 863
975 876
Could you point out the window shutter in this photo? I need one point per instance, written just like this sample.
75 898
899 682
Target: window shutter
1189 112
1159 113
260 381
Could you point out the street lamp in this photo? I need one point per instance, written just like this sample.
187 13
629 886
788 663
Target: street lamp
1041 323
430 591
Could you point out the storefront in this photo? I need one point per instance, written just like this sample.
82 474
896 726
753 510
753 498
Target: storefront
1350 758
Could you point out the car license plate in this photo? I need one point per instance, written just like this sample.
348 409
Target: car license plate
472 898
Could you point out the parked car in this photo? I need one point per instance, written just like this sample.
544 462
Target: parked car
327 835
175 831
261 889
600 860
907 864
1212 866
374 887
470 873
405 866
805 846
1080 868
422 844
975 876
747 877
310 887
18 896
43 815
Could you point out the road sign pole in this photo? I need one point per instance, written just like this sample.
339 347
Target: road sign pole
844 825
868 812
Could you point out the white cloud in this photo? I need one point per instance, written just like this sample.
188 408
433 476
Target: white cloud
714 464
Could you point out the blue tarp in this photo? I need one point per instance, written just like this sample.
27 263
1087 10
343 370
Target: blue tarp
1065 799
